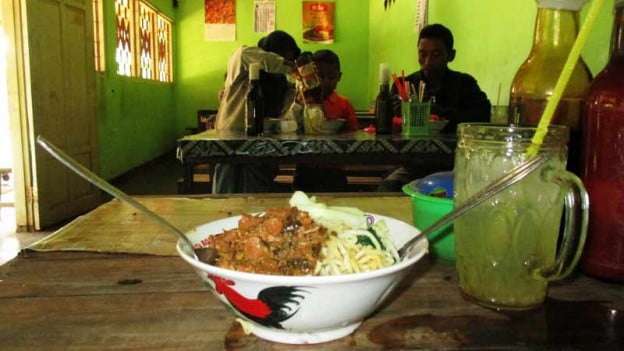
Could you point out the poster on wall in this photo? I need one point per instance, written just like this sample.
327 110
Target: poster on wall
318 21
264 16
220 20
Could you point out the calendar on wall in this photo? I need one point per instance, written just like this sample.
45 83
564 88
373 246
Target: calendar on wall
264 16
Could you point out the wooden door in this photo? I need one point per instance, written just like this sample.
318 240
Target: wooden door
63 105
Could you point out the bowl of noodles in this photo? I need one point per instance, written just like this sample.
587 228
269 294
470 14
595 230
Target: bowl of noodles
304 274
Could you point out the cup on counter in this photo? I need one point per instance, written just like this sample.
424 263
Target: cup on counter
415 116
288 126
499 114
507 248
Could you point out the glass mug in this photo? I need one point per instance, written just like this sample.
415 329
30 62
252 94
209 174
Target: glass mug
506 248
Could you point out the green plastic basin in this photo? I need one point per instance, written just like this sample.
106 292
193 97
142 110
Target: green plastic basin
425 211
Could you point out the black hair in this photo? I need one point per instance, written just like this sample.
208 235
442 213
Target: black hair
439 32
279 42
327 57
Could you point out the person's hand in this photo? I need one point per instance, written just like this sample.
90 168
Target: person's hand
290 64
440 111
299 98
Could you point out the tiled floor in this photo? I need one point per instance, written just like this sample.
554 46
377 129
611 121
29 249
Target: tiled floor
157 177
160 177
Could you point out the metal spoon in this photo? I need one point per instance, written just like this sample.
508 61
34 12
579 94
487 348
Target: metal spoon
515 175
206 255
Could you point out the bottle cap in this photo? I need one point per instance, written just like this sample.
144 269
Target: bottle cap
384 73
571 5
254 71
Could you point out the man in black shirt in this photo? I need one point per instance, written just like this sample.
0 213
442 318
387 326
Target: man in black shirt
455 96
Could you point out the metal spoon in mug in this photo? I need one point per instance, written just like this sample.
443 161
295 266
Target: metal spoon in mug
515 175
206 255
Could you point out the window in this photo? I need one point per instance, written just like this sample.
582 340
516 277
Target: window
163 41
145 35
143 41
123 52
98 36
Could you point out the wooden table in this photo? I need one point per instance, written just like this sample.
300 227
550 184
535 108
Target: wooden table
97 301
357 148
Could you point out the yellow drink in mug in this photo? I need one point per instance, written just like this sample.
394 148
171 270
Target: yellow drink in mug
506 248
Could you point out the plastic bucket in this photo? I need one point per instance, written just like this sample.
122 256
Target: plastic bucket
425 211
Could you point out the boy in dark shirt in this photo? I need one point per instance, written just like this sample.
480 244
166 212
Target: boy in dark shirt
455 96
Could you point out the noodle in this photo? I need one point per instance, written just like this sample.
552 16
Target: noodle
345 253
307 238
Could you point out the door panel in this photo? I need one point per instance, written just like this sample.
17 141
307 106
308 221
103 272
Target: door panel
62 80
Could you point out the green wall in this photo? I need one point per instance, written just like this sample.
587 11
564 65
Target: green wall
201 64
492 39
136 117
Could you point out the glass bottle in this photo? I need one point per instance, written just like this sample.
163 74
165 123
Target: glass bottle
383 102
603 168
309 77
254 113
313 114
556 28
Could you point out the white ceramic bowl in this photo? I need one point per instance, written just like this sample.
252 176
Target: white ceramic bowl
304 309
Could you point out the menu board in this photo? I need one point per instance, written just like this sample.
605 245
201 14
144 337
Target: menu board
318 21
220 20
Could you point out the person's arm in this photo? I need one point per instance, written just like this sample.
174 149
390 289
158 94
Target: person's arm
290 99
349 115
271 62
394 93
473 105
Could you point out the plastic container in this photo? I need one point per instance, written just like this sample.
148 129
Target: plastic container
425 211
416 117
438 184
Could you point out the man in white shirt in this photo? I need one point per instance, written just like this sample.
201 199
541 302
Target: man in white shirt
276 54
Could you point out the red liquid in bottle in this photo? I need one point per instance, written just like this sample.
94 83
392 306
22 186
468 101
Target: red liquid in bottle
603 171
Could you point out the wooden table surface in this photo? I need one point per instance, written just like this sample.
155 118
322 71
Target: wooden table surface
98 301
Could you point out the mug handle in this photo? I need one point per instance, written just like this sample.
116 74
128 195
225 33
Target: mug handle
576 217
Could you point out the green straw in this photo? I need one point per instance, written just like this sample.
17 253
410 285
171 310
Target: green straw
564 78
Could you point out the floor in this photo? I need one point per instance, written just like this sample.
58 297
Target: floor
157 177
161 177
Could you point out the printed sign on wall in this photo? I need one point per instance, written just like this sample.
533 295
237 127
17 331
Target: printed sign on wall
264 16
220 20
318 21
